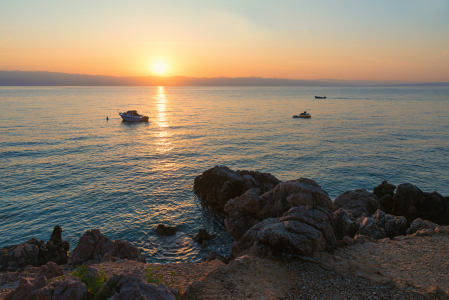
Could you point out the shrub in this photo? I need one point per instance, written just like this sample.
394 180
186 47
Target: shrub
93 283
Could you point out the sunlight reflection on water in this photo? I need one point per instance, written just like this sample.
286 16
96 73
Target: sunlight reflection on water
80 171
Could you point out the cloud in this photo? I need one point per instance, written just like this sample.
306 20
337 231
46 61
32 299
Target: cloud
5 41
445 53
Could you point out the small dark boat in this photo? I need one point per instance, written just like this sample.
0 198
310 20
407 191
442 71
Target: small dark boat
304 115
319 97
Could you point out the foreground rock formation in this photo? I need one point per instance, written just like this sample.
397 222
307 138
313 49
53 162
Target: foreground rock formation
35 253
358 245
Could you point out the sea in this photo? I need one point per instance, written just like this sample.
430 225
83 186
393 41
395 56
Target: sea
62 162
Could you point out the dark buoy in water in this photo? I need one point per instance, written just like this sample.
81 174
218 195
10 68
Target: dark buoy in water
107 118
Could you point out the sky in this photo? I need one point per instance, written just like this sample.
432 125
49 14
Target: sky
405 40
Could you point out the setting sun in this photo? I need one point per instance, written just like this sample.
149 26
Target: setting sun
160 67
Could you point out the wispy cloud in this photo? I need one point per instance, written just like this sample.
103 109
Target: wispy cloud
5 41
445 53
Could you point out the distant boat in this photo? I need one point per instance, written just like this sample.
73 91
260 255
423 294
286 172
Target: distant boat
304 115
133 116
319 97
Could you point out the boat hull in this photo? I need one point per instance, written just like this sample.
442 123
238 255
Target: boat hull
318 97
127 118
302 117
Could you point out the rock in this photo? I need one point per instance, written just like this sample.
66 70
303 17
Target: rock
250 208
91 246
384 189
348 240
242 212
219 184
359 203
94 246
214 255
387 202
202 236
51 270
135 286
127 250
302 230
166 230
442 229
293 193
19 256
35 253
55 249
370 228
393 226
420 224
69 288
412 203
343 224
424 232
360 238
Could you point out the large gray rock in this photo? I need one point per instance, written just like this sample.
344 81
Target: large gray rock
359 203
94 246
420 224
135 286
302 230
250 208
219 184
412 203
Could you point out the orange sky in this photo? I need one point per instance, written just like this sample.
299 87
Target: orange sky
407 40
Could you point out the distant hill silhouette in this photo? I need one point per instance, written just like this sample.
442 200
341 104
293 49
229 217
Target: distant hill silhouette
21 78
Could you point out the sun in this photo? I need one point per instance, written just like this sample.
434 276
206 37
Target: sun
160 67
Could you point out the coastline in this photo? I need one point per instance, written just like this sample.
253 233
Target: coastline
292 242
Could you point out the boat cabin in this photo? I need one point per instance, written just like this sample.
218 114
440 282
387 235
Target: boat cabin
132 113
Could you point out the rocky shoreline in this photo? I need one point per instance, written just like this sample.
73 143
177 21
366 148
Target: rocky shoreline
291 242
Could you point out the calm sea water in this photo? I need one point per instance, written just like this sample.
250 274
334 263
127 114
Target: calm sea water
63 163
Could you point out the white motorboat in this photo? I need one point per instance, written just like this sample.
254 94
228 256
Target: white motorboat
133 116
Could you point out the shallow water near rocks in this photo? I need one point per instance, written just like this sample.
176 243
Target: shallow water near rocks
63 163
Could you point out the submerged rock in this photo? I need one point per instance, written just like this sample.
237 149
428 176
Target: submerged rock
202 236
166 230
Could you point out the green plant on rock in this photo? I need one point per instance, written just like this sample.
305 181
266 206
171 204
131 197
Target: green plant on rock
152 276
92 282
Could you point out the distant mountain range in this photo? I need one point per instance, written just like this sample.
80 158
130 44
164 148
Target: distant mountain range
21 78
